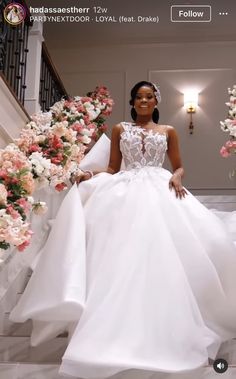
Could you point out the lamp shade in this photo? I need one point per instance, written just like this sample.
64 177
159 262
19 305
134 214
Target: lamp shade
191 101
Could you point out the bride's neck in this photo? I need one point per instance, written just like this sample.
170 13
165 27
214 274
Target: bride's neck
144 121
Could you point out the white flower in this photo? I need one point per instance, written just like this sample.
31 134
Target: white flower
58 107
12 147
40 139
224 127
232 130
13 230
60 128
72 168
30 200
232 112
86 132
93 112
75 150
31 125
85 139
39 163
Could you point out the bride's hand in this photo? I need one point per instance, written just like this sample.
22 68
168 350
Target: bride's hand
82 176
175 182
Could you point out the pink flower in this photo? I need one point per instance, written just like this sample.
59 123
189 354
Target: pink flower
23 246
85 99
58 159
27 182
224 152
60 187
14 180
230 144
24 204
102 90
26 243
86 119
103 128
10 210
56 143
34 148
68 103
77 126
3 174
91 126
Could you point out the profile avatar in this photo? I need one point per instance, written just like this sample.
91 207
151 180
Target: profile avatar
14 13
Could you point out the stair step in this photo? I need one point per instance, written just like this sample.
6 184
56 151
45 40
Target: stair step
18 349
50 371
226 203
9 300
16 329
29 371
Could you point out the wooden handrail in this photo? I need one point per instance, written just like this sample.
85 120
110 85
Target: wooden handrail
51 86
52 68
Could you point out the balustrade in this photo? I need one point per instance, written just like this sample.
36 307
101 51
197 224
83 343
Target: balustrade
14 50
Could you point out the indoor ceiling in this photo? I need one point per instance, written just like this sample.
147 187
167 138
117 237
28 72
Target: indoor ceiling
76 34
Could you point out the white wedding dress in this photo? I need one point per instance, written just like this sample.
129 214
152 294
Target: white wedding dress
141 279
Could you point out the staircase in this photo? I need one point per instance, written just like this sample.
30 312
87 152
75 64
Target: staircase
19 360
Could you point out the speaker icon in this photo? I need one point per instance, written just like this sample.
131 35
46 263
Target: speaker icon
220 365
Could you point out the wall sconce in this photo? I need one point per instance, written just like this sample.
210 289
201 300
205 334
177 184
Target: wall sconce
190 104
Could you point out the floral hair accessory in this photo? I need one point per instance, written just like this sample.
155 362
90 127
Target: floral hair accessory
157 92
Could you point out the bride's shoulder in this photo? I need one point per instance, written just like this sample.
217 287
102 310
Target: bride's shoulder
170 130
122 126
117 130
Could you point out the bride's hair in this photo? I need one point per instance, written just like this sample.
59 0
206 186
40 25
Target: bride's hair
133 93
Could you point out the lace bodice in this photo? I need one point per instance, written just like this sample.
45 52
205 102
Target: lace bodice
140 147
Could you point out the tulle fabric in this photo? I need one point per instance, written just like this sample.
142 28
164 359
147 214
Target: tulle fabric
160 291
149 277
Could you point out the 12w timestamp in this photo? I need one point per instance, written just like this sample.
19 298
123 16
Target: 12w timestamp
100 10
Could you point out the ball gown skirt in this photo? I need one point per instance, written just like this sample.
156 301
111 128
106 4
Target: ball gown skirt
144 281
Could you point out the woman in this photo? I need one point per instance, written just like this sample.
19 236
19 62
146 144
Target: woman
160 267
14 16
144 99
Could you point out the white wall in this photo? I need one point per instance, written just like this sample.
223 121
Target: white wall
12 115
209 66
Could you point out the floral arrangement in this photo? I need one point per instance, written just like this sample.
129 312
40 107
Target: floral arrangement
55 141
48 151
229 125
16 188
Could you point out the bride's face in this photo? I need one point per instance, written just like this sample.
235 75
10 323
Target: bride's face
145 101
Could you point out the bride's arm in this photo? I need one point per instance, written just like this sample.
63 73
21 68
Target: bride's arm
115 153
114 160
175 160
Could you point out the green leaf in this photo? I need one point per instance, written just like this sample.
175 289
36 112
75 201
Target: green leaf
4 245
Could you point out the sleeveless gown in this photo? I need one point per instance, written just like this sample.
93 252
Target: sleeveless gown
142 280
